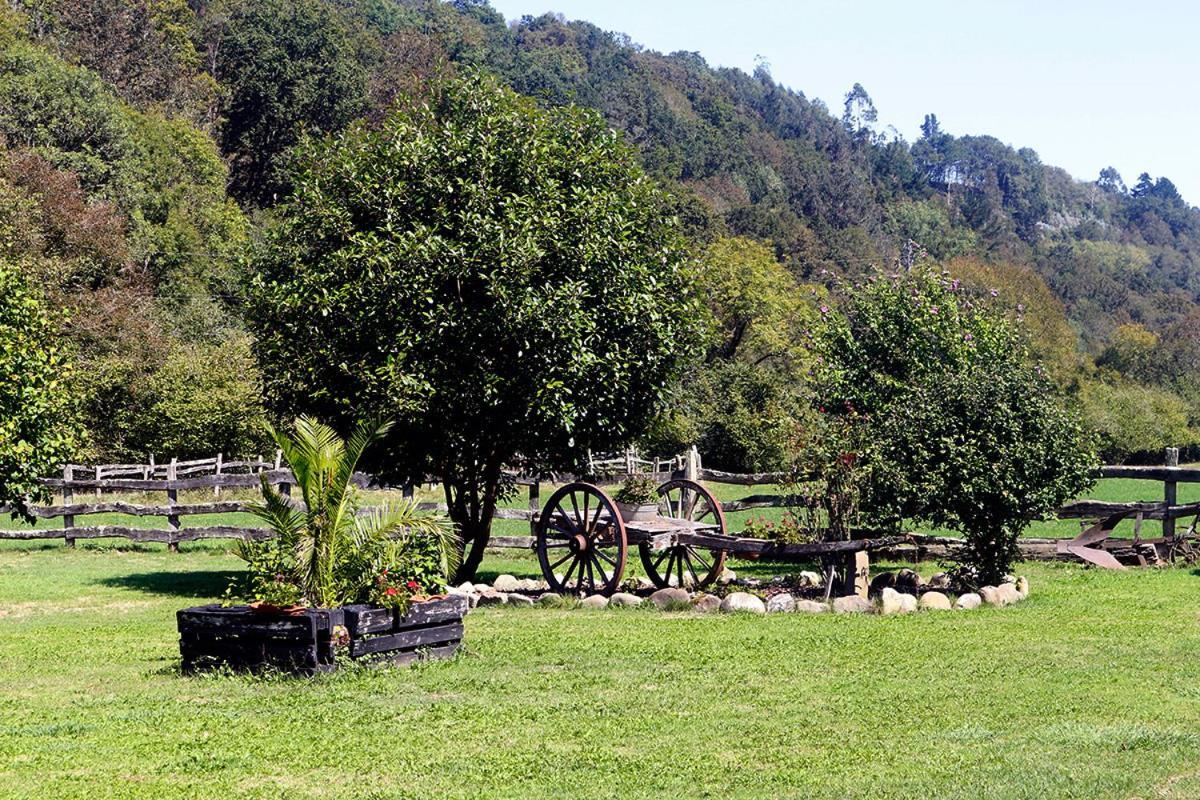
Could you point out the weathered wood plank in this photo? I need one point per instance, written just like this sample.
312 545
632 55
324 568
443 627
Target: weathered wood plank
140 534
408 640
372 619
1176 474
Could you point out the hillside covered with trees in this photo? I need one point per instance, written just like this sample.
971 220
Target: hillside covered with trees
146 146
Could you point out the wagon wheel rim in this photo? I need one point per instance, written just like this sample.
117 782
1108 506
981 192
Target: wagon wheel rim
691 567
581 541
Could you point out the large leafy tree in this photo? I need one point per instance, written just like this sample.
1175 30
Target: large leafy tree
288 66
38 430
500 279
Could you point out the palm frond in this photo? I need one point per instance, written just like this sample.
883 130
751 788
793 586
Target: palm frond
401 521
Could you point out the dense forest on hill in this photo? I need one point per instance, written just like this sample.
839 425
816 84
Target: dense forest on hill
144 144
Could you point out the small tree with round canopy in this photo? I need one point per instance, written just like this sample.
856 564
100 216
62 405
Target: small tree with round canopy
501 280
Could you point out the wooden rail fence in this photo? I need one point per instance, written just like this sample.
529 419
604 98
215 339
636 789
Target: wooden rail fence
217 474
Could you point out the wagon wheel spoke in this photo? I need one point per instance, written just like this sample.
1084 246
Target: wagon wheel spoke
599 566
559 563
704 563
607 558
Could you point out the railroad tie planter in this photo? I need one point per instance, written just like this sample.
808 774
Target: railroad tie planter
318 640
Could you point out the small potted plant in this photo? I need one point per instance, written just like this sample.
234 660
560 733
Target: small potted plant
637 499
334 580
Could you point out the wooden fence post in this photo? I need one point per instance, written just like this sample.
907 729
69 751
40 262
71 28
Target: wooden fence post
99 475
691 464
172 499
1170 493
150 475
220 461
535 506
67 495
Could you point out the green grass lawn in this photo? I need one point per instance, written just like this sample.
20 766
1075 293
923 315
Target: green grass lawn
1090 689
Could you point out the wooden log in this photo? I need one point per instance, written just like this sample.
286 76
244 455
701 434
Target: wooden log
135 510
172 499
746 479
141 534
1162 474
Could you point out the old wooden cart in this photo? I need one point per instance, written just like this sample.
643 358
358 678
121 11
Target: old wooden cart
582 542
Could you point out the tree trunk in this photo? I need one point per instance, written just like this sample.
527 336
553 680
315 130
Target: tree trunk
472 505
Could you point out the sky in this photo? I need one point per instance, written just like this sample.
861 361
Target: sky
1085 84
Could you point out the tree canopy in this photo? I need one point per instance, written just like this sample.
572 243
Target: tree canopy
500 279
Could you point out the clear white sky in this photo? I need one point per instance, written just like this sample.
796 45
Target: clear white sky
1085 84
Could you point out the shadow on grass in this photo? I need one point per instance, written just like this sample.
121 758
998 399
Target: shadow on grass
198 583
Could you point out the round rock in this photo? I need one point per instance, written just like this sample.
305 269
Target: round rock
968 601
492 598
706 603
665 598
991 595
520 600
624 599
852 604
810 580
934 601
506 583
1022 585
893 602
743 601
810 607
594 601
779 603
1008 594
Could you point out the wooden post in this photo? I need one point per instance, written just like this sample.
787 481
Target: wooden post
691 464
99 475
409 491
857 578
172 499
535 507
630 467
1170 494
67 494
278 459
152 467
220 461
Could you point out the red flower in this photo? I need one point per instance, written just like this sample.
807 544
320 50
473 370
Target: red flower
390 591
413 585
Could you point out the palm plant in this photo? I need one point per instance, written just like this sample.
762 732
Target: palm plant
328 546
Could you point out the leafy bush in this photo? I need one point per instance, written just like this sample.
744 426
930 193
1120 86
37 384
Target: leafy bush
959 429
38 427
327 553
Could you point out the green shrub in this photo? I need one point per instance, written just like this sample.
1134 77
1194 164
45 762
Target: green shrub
957 427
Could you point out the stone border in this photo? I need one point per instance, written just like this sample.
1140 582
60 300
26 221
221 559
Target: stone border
509 590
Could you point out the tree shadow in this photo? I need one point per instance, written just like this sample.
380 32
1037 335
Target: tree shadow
200 583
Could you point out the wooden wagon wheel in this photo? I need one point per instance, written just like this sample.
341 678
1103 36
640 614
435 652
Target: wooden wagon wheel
684 499
581 538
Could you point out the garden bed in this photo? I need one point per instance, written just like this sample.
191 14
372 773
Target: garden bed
318 640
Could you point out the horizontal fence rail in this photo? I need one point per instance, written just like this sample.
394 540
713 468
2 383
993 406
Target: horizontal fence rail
249 473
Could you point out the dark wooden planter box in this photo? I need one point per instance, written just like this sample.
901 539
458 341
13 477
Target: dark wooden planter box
237 637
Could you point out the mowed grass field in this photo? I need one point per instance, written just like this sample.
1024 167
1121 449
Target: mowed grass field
1089 689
